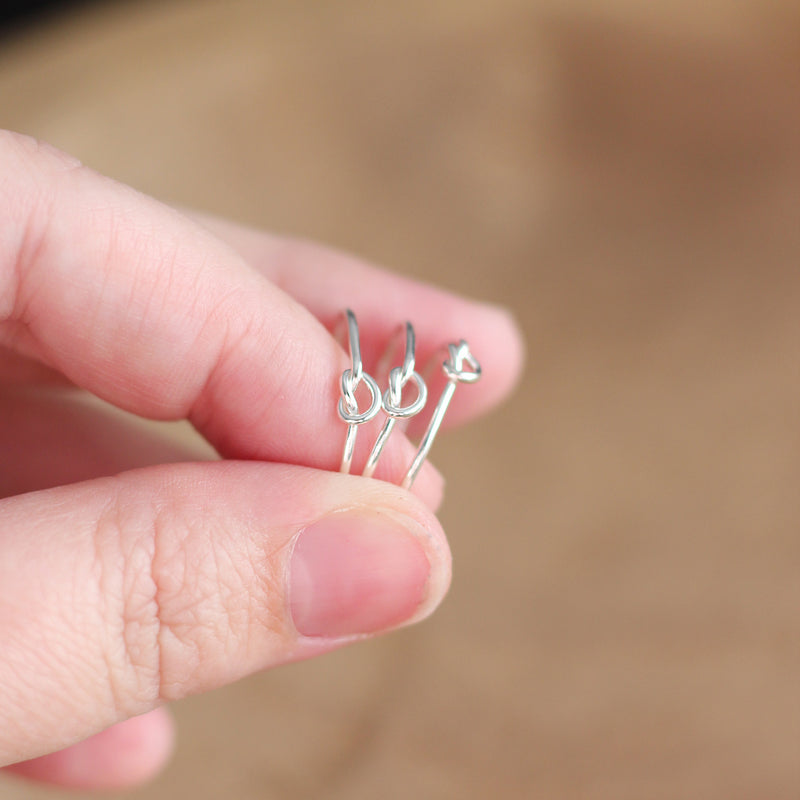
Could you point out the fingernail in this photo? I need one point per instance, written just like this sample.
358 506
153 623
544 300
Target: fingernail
355 573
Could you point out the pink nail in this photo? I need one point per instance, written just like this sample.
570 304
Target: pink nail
355 573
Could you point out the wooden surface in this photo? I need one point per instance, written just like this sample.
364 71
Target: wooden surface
625 615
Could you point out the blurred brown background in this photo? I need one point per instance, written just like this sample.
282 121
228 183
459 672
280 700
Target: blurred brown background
625 615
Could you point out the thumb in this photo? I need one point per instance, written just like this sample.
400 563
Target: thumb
119 594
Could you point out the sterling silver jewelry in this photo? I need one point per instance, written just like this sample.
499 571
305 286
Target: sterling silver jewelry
348 405
453 367
392 397
459 367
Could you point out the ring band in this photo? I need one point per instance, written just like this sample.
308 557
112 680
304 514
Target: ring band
461 366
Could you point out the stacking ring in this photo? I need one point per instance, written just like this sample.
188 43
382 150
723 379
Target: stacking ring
460 366
348 405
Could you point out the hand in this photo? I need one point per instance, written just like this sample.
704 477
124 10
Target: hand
129 577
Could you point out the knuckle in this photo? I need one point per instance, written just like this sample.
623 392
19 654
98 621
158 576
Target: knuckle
186 592
207 596
127 598
241 333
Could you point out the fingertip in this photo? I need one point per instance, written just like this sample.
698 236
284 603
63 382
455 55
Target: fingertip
496 340
430 483
379 562
426 527
125 755
430 487
504 353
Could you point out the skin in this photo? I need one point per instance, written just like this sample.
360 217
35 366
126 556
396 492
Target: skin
135 570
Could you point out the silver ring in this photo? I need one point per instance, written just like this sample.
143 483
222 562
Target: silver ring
461 366
348 405
392 397
457 356
353 417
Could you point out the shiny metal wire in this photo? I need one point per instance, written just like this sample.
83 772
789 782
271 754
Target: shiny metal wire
348 404
460 366
393 396
454 369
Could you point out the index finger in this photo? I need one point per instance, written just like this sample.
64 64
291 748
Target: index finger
134 302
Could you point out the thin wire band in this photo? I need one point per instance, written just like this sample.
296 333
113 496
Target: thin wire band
348 405
354 343
458 355
392 397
